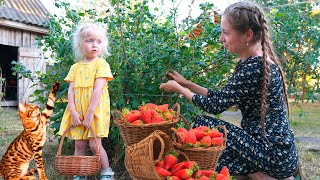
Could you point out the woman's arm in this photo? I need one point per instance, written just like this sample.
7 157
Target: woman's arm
95 99
173 86
197 89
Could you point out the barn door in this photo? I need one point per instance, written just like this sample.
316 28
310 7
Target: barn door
33 60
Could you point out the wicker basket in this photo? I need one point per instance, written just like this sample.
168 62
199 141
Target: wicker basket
140 158
77 165
133 133
206 157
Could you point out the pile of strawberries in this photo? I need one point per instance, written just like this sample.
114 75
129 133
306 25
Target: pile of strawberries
171 169
201 136
148 114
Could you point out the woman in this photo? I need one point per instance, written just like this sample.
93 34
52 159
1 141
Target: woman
263 148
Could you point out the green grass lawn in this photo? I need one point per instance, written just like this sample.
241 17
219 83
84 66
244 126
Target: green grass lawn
304 119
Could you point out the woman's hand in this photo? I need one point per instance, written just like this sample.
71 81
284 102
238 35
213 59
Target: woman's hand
170 86
88 118
178 78
76 118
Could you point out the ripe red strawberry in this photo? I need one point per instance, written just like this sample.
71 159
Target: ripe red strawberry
221 177
146 116
202 128
157 119
184 173
197 174
204 178
206 141
162 171
162 108
132 115
181 129
181 137
173 178
225 171
207 172
143 108
190 139
193 165
160 164
137 122
151 105
215 133
170 159
177 167
217 141
199 134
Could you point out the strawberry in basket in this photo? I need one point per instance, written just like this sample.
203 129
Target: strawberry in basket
201 136
148 114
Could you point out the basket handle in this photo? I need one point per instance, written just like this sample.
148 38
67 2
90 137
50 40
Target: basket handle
185 121
176 105
162 148
117 112
65 133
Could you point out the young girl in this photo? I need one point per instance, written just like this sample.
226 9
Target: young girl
264 147
88 96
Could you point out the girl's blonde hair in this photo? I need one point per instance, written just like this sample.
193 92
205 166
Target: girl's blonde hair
81 32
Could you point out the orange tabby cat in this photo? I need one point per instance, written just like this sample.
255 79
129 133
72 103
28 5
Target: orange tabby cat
28 145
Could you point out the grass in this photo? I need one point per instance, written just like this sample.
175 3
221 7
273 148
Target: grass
304 119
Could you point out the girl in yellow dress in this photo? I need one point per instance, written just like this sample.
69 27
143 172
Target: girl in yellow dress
88 96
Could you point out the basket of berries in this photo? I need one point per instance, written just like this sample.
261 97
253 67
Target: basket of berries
153 157
201 144
135 125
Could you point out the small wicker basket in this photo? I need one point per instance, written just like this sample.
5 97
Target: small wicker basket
206 157
133 133
77 165
140 158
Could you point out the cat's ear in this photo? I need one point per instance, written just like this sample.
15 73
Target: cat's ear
22 108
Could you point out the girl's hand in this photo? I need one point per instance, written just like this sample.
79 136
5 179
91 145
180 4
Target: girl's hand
170 86
76 119
178 78
88 118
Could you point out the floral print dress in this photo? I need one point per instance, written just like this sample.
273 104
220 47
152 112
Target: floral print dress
247 149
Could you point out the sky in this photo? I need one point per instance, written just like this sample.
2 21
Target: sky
183 9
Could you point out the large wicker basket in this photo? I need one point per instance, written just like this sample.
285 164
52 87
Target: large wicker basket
140 158
206 157
133 133
77 165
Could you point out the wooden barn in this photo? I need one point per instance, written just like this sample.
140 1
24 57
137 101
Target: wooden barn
21 21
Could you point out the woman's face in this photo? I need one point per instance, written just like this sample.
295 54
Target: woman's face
232 40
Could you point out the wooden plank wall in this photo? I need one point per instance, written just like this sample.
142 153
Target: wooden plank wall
29 55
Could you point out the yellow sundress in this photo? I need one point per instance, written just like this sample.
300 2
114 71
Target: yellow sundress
83 75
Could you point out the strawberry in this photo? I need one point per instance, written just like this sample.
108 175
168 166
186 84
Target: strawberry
202 128
197 174
146 116
133 115
221 177
215 133
199 134
143 108
137 122
151 105
181 137
217 141
207 172
157 119
162 171
204 178
162 108
177 167
184 173
191 165
173 178
206 141
168 115
170 159
181 129
190 139
160 164
225 171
